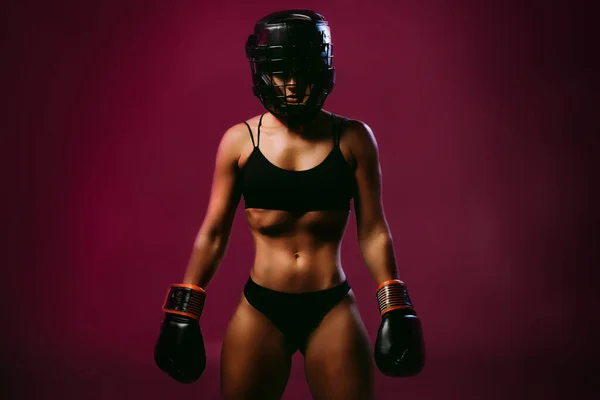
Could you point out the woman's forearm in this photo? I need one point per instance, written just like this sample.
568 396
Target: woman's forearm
207 252
377 250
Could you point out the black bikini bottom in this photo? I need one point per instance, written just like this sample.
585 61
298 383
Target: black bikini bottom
296 315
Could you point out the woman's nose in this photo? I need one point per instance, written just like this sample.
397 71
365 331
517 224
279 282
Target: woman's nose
290 86
290 83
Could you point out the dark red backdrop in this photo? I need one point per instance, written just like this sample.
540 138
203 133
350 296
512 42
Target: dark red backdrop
484 117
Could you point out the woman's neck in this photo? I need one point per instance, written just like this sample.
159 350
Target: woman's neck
307 130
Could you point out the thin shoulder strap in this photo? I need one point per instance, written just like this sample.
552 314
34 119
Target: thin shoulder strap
251 136
259 125
337 130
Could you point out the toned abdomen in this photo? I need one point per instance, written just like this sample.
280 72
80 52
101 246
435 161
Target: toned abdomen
297 252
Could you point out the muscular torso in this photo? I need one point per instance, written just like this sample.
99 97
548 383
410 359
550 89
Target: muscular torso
296 252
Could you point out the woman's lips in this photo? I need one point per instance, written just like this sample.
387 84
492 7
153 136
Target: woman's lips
293 99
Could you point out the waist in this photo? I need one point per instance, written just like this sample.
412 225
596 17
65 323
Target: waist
299 298
297 272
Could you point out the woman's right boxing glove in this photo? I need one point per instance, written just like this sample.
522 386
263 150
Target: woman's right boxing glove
179 350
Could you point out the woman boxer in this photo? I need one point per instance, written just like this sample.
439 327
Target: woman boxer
297 167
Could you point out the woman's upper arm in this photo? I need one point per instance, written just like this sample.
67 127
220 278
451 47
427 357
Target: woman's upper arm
367 202
225 189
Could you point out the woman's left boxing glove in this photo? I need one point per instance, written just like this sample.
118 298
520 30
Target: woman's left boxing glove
399 348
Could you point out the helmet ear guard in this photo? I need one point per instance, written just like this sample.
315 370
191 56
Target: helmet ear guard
291 44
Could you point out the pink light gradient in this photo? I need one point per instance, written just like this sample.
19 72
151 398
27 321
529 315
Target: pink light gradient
486 147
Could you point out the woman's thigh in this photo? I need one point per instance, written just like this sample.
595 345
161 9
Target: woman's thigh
337 361
254 361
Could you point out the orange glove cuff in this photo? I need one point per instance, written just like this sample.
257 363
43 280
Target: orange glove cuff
393 295
185 299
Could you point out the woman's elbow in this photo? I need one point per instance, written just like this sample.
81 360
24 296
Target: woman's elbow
213 235
380 235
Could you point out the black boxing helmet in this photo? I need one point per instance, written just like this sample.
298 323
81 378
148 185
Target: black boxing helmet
294 46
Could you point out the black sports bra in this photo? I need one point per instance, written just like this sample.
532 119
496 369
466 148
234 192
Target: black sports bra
327 186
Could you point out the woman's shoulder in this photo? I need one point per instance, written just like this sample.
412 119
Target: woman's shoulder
356 133
238 140
240 133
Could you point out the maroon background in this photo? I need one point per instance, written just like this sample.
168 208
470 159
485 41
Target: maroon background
484 118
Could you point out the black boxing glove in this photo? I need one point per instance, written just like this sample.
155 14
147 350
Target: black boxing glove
399 347
179 350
